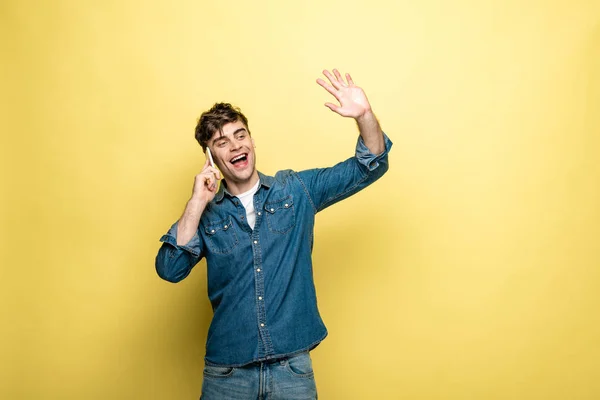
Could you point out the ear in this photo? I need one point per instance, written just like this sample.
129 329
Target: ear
253 144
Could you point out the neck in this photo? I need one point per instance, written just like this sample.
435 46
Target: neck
236 188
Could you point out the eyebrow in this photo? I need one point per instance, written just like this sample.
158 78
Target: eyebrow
223 137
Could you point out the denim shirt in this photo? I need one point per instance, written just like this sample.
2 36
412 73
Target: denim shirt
260 282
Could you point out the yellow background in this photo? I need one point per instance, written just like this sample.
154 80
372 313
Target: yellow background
470 271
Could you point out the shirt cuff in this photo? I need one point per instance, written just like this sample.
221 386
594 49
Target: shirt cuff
193 246
368 159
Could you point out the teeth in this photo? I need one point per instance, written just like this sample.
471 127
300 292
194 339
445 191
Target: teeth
238 157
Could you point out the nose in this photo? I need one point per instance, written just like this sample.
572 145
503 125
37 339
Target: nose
233 146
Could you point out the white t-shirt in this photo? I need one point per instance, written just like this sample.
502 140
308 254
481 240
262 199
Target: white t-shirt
247 199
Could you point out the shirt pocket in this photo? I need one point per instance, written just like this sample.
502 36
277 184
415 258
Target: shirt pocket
220 236
281 216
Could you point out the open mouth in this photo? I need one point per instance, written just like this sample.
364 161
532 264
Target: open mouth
239 159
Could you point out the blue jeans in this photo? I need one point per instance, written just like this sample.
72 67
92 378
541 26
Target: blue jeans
290 378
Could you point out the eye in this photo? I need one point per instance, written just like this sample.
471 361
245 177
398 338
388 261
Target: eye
241 136
221 143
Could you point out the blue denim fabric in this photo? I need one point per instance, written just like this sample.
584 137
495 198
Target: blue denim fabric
290 378
260 281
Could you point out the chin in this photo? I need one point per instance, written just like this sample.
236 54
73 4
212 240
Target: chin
242 176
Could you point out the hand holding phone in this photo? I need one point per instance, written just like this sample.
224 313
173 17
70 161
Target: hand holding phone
206 182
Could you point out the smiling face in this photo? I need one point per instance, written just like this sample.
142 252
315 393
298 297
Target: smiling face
233 152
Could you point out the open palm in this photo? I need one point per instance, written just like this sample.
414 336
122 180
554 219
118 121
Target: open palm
353 100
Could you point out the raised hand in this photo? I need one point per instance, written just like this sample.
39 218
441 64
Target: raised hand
353 100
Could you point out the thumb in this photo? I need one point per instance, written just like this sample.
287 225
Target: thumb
332 107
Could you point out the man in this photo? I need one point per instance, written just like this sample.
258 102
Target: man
256 233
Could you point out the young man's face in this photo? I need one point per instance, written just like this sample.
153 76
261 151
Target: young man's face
233 153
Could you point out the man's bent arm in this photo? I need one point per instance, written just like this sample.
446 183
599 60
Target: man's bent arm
326 186
182 247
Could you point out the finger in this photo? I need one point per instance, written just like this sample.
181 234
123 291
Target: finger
213 171
338 76
211 174
337 109
332 79
210 182
327 87
208 169
349 79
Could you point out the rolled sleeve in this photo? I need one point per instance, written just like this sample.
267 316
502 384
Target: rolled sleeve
174 262
193 246
368 159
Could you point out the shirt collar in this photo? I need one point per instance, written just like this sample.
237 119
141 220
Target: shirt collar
265 180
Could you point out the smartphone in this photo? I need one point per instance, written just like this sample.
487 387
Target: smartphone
210 159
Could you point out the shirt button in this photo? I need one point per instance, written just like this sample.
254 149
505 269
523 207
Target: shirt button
262 324
259 297
212 231
256 242
272 209
257 269
259 213
286 206
225 227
